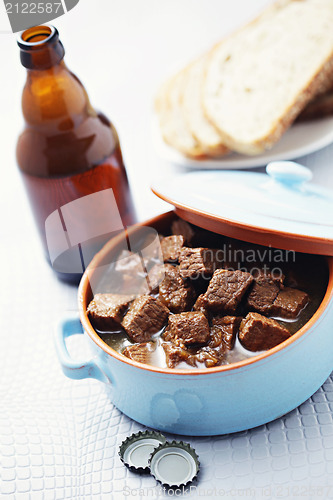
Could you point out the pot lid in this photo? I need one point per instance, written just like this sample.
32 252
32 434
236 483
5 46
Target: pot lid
281 208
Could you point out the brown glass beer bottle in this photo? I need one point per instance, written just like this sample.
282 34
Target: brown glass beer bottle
67 151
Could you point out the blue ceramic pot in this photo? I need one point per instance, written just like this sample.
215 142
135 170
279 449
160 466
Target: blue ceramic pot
211 401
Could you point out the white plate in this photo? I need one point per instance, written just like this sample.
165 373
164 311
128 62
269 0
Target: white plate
301 139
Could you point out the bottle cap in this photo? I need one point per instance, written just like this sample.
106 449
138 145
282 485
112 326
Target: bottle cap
136 450
174 464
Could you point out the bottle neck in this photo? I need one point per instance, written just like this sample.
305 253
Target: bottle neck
40 48
53 97
63 133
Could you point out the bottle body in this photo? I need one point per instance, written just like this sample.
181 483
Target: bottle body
67 151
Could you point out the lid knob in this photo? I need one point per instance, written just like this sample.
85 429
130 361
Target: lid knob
289 173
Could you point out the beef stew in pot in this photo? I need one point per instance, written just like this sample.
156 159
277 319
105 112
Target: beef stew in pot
208 301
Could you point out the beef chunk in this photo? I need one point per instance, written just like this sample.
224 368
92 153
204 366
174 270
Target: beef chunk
263 275
223 331
222 339
210 357
140 352
177 294
200 305
184 229
171 247
155 277
196 262
226 289
264 291
289 303
187 328
129 262
149 248
145 317
133 274
106 310
175 355
258 333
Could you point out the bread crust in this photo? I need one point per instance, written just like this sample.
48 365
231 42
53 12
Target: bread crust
173 127
201 128
174 123
319 107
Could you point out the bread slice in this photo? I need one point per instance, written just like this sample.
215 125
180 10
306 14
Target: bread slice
201 128
259 79
173 126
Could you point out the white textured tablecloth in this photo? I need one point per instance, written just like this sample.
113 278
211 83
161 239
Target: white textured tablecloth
59 438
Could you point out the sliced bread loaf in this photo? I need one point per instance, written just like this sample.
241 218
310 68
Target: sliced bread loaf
259 79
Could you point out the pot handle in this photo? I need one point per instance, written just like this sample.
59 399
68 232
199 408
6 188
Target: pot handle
74 369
